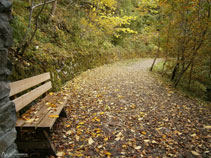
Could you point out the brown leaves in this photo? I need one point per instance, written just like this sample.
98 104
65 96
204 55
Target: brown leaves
122 111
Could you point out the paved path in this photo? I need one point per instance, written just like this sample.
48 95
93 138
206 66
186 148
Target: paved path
123 110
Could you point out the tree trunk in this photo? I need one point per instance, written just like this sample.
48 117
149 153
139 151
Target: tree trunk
164 64
27 43
53 10
174 71
190 75
181 74
158 50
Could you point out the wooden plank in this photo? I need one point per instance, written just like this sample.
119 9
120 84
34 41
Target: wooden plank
42 109
47 121
21 85
27 98
20 121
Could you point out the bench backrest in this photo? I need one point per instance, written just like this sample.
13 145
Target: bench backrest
22 85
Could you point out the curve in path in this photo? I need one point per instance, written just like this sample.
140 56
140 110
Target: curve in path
123 110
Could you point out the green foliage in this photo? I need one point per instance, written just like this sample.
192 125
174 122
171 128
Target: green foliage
79 37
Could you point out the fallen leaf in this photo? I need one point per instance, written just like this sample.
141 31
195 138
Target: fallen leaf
61 153
53 116
90 141
67 125
107 153
146 141
138 147
195 153
119 134
117 139
143 132
77 138
133 106
193 135
69 132
207 127
47 103
106 139
30 120
100 146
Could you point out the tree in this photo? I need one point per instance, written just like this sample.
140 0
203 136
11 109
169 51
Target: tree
30 33
190 23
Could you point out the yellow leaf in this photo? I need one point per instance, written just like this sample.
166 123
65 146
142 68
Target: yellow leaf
47 103
78 126
143 132
133 106
30 120
106 139
51 93
53 116
67 125
107 153
97 130
81 123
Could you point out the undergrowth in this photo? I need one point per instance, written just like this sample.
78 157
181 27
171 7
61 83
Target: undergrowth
199 83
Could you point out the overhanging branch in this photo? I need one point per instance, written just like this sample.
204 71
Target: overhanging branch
40 4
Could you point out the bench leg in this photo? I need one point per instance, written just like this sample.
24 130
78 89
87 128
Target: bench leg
39 141
52 149
63 113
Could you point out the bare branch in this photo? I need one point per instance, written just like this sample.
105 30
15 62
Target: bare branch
41 4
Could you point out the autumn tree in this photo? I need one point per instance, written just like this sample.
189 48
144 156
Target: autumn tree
187 26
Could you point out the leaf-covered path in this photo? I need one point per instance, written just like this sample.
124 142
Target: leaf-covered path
123 110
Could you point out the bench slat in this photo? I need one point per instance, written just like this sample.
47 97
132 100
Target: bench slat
19 86
43 114
41 111
47 121
27 98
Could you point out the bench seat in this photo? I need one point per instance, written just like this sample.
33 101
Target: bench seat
43 114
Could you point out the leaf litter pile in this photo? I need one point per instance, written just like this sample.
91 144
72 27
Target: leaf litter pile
123 110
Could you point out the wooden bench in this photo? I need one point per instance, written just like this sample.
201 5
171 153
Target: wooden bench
34 124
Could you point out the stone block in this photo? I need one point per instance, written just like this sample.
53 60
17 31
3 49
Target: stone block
5 31
7 140
5 6
4 89
5 65
7 117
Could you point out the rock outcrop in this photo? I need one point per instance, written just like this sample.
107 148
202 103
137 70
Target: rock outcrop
7 108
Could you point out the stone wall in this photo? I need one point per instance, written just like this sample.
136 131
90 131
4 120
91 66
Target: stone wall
7 108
